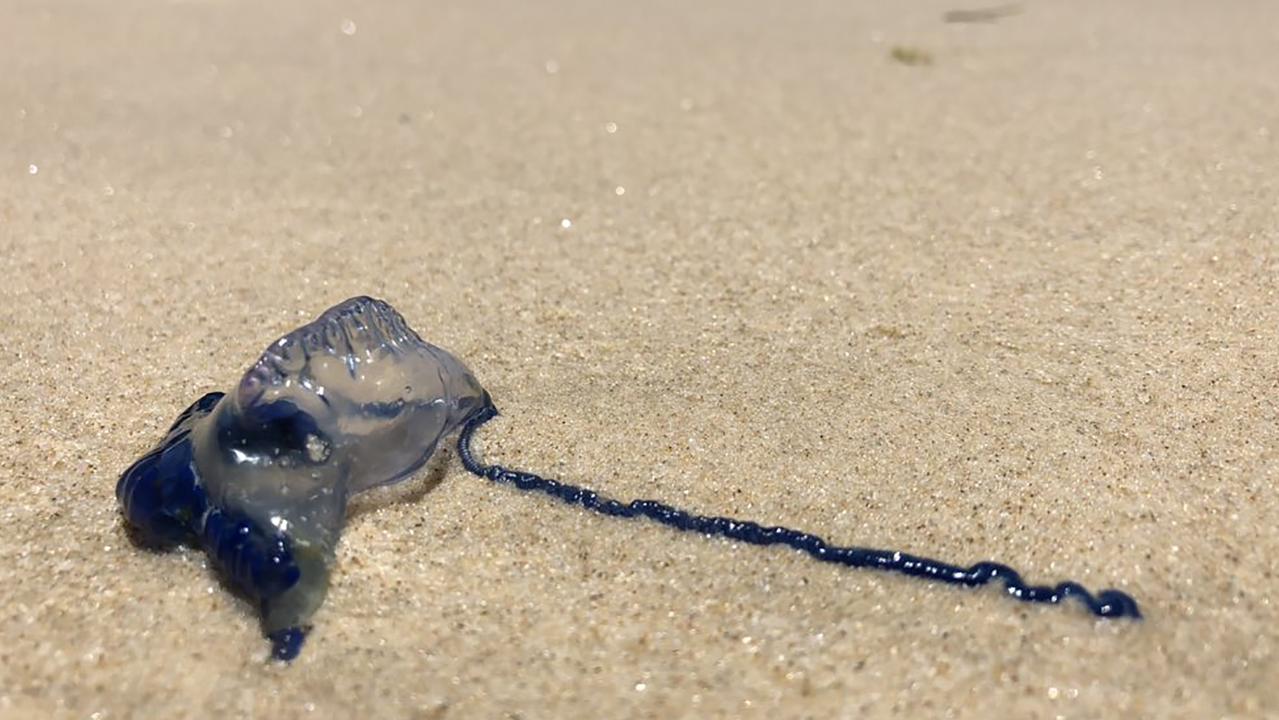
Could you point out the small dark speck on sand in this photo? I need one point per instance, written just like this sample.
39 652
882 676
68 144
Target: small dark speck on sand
891 332
982 15
911 56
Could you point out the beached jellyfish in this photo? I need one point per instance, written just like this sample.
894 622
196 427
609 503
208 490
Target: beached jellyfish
260 478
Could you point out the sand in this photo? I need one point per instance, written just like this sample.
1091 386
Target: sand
1014 301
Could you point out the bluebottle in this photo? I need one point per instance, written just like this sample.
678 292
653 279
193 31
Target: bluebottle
260 477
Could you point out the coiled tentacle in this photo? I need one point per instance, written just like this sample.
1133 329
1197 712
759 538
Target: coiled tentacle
1107 603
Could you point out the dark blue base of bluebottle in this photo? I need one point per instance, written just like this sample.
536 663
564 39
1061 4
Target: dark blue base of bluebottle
165 504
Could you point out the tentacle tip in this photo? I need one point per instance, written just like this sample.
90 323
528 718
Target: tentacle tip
1117 604
286 644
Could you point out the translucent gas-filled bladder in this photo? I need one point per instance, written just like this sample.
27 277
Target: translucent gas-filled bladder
260 477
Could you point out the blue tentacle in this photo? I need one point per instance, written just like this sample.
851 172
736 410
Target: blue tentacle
1107 603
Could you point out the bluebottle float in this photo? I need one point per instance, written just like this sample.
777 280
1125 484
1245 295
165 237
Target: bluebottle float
260 478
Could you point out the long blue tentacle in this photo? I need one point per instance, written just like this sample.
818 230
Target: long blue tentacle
1107 603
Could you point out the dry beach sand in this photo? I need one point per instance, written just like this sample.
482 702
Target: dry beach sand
1016 303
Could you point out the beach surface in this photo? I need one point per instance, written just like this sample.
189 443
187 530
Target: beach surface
999 290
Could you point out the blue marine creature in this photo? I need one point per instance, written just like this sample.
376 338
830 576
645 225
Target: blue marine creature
260 478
